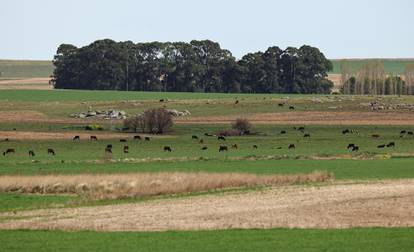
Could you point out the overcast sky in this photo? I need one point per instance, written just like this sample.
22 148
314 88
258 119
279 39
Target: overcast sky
341 29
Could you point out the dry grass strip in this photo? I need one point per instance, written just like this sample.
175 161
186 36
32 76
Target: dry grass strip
116 186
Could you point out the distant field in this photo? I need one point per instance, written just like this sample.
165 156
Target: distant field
395 66
18 69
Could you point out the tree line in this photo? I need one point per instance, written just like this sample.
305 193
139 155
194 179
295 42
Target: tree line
198 66
372 79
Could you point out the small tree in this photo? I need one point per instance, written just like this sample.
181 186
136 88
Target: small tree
242 125
154 121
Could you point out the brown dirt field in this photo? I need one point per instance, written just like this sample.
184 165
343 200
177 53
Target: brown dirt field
312 117
376 204
30 83
33 135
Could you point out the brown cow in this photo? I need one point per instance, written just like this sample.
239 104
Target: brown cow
94 138
223 148
126 149
9 151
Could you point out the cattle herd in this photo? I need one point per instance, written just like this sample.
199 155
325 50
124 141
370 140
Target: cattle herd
221 138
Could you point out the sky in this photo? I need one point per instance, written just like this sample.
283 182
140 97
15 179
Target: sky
33 29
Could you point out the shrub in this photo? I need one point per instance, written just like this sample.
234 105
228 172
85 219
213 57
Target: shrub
154 121
242 125
94 127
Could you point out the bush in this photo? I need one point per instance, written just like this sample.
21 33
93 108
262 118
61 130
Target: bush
154 121
94 127
242 125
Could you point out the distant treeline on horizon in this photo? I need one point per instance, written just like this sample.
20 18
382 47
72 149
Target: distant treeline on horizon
198 66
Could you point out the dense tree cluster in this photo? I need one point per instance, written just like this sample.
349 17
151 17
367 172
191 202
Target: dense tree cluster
198 66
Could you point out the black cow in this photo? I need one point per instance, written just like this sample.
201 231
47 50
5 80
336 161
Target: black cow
76 138
167 148
301 128
403 132
194 137
147 139
410 133
223 148
355 148
51 151
291 146
94 138
236 102
31 153
375 135
306 135
126 149
255 146
381 146
201 141
291 107
283 132
122 140
9 151
137 137
281 104
204 148
109 146
391 144
279 148
6 139
351 145
345 131
221 138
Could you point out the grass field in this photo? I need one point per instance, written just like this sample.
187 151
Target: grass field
370 239
394 66
17 69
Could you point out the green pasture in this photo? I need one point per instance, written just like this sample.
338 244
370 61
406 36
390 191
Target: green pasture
16 69
360 239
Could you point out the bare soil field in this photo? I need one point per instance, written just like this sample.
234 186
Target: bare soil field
342 205
29 83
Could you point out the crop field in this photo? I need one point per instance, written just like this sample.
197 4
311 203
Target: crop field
394 66
259 194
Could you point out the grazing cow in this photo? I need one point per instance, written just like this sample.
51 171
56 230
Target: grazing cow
283 132
234 146
291 146
137 137
223 148
306 135
126 149
208 134
345 131
221 138
162 100
236 102
31 153
167 148
301 128
122 140
255 146
108 150
351 145
291 107
281 104
403 132
410 133
194 137
51 151
6 139
76 138
9 151
279 148
381 146
375 135
391 144
94 138
355 148
147 138
201 141
204 148
109 146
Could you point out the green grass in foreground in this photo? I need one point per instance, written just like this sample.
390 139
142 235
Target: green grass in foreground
366 239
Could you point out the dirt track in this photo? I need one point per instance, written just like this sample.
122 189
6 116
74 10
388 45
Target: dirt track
285 118
377 204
